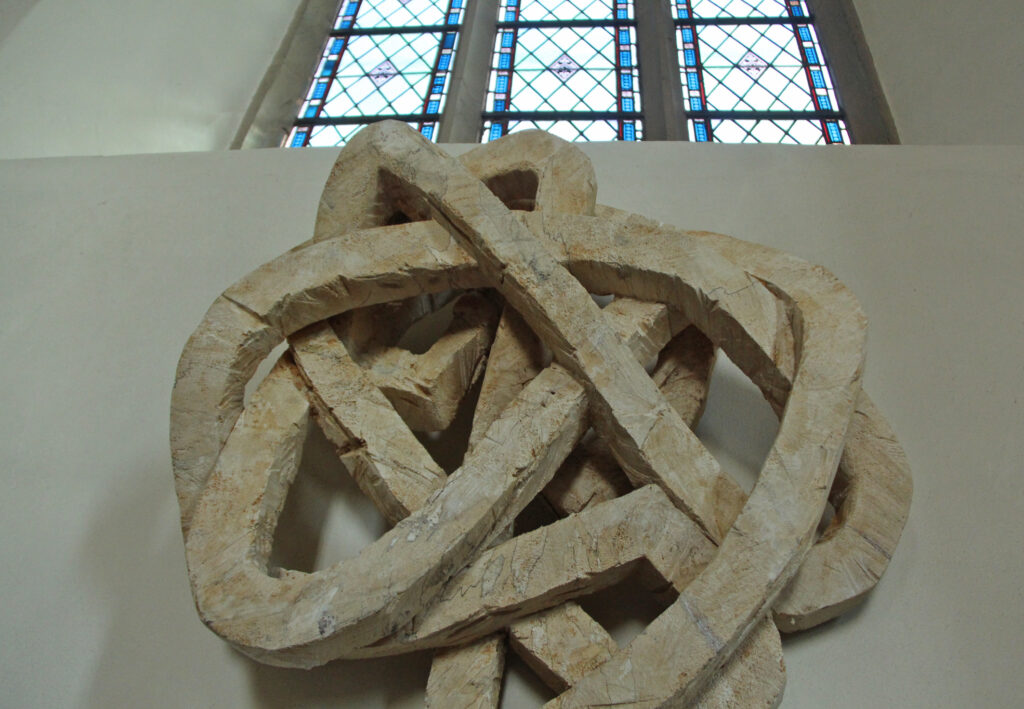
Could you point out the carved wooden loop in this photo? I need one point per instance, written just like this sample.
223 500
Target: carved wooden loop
442 576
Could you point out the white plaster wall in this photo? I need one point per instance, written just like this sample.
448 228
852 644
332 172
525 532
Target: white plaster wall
131 76
101 286
953 71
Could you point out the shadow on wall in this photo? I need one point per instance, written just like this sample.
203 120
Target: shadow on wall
13 12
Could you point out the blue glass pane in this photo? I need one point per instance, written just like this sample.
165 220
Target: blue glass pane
626 58
805 34
817 79
299 140
495 131
321 90
833 132
433 106
337 46
427 131
824 103
507 39
504 61
701 132
695 104
627 105
692 81
628 132
445 62
690 57
687 34
801 131
577 130
812 55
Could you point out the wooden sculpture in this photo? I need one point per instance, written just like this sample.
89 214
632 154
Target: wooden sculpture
511 238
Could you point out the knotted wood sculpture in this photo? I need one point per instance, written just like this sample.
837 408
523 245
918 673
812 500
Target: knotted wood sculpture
402 229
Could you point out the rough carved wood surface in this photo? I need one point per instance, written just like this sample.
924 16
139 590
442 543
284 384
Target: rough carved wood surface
582 420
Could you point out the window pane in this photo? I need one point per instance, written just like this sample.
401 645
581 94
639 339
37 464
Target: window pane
572 131
405 73
802 132
563 10
590 72
753 67
738 8
771 64
396 13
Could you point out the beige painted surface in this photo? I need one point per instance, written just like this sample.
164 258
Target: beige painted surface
953 71
124 76
109 265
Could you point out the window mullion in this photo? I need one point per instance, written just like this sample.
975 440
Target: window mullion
660 88
868 117
461 121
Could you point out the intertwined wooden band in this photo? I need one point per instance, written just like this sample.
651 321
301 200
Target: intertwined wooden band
307 619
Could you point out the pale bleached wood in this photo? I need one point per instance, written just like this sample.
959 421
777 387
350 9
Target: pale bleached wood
563 175
426 389
315 271
872 497
208 394
515 357
467 676
561 644
580 554
714 612
644 432
590 474
770 537
537 172
386 460
307 619
754 677
873 486
371 332
541 568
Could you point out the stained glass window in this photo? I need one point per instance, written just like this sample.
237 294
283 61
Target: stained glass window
753 72
565 66
749 71
383 59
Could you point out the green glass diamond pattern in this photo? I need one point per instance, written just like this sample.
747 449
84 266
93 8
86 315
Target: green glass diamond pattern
564 10
573 131
538 83
786 132
753 68
708 9
383 74
396 13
